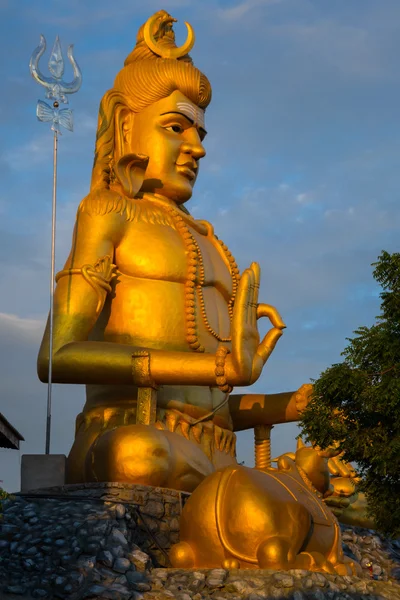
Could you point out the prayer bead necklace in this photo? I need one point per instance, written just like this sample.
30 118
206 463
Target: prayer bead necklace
195 264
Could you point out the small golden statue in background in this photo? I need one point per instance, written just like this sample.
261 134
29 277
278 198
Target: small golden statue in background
337 481
152 315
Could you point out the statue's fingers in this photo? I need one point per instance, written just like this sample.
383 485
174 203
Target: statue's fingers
343 468
255 268
337 502
333 470
266 310
248 315
336 511
257 277
252 310
328 492
268 344
242 301
352 471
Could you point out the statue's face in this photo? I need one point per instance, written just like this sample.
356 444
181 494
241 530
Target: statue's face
170 132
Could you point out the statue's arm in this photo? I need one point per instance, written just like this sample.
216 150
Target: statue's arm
249 410
78 303
79 298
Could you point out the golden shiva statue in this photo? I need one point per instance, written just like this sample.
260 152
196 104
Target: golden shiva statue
152 315
149 297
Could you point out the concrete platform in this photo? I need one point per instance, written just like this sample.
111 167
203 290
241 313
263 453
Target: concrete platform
42 471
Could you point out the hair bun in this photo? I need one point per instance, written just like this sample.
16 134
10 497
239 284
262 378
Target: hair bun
161 29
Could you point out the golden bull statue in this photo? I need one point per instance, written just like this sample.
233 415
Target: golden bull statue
262 519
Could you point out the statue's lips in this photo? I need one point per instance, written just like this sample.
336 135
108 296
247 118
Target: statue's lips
186 172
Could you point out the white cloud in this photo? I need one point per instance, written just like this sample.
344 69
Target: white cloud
351 50
86 122
237 12
304 198
31 154
29 329
77 15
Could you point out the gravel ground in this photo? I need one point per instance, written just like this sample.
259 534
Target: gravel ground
86 550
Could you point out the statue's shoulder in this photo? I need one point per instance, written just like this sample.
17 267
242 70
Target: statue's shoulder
102 202
207 228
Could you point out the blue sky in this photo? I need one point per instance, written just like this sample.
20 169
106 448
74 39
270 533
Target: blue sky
301 174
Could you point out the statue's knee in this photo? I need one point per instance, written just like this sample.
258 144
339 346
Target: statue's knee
133 453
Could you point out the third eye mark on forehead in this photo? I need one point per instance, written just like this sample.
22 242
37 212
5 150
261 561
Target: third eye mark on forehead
193 114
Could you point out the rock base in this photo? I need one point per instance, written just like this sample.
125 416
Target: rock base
111 541
296 584
61 541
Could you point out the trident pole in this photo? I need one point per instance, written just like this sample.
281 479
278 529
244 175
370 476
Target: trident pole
52 277
56 90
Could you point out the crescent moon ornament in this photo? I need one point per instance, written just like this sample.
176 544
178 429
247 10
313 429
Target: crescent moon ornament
167 52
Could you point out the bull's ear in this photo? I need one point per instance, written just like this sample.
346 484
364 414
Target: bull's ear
291 455
300 444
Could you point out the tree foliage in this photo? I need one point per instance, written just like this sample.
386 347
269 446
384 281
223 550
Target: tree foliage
356 403
3 496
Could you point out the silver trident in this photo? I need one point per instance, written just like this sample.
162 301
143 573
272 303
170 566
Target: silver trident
57 91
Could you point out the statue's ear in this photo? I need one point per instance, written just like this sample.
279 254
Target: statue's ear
130 170
123 123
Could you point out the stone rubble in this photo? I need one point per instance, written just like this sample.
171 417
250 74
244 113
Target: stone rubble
86 548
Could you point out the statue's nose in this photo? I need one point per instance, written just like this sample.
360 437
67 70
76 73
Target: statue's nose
194 147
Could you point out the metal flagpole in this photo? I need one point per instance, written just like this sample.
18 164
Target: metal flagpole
52 276
56 90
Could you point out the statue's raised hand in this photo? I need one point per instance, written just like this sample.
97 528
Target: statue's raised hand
248 355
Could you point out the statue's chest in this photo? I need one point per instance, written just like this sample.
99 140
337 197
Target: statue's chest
160 252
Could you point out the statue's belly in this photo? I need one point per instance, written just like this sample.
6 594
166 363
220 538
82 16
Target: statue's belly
151 314
147 313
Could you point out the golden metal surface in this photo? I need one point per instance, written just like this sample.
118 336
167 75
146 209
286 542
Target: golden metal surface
262 446
98 276
146 298
335 481
250 410
166 21
146 411
268 519
148 293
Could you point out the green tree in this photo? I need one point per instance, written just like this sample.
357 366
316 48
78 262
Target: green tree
3 496
356 403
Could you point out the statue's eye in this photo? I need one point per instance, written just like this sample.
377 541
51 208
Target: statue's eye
175 128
